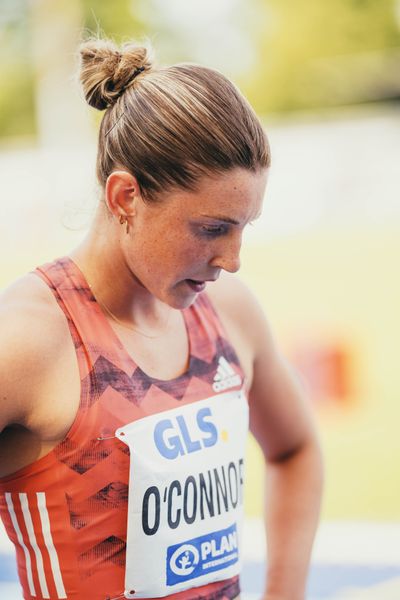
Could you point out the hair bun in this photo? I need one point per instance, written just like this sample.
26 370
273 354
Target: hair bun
106 70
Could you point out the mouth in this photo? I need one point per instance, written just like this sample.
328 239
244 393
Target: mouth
196 286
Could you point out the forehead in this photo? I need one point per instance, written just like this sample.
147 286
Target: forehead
237 194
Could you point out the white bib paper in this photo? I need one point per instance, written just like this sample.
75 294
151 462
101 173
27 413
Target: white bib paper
185 495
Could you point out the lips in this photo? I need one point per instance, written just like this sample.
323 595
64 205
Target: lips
196 286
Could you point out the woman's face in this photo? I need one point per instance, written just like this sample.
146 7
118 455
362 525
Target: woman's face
178 244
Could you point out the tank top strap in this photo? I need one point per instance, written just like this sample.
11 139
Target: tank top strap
209 337
89 328
101 354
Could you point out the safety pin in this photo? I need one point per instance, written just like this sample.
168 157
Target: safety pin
111 437
131 592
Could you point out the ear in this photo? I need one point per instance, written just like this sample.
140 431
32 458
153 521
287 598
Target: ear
121 193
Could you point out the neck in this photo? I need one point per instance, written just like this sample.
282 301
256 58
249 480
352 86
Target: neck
114 284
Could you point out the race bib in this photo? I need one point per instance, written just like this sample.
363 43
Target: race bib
185 495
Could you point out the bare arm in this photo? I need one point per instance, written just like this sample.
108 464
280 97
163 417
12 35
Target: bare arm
282 423
16 358
30 343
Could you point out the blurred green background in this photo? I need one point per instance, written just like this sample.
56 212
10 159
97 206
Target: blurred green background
285 55
325 79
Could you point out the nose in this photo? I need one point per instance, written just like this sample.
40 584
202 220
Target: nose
228 258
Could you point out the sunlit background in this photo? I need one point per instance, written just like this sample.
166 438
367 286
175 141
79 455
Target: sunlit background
324 76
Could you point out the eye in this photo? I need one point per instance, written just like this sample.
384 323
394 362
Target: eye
213 230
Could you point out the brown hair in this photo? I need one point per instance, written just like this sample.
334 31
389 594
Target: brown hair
167 126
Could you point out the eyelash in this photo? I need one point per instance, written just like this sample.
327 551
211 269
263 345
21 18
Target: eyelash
217 230
214 231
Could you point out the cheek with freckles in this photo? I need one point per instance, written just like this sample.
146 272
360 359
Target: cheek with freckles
166 257
184 260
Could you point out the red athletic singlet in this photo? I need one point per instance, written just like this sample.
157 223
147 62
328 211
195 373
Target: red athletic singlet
67 512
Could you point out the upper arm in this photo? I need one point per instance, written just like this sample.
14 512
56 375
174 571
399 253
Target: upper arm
280 415
12 410
25 348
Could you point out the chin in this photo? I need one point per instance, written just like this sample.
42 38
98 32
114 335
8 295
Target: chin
180 301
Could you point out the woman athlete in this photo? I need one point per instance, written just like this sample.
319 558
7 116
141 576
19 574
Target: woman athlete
132 367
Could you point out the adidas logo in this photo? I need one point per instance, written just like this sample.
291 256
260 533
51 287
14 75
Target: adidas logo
225 376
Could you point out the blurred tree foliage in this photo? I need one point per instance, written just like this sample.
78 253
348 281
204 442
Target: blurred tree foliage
116 20
17 98
16 73
309 53
314 53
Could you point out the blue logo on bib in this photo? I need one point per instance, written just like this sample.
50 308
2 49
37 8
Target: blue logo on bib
202 555
173 437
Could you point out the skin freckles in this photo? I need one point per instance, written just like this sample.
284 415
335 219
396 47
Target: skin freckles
192 235
183 235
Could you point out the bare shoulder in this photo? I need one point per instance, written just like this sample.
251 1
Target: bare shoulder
280 416
238 306
242 318
27 306
228 290
32 334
